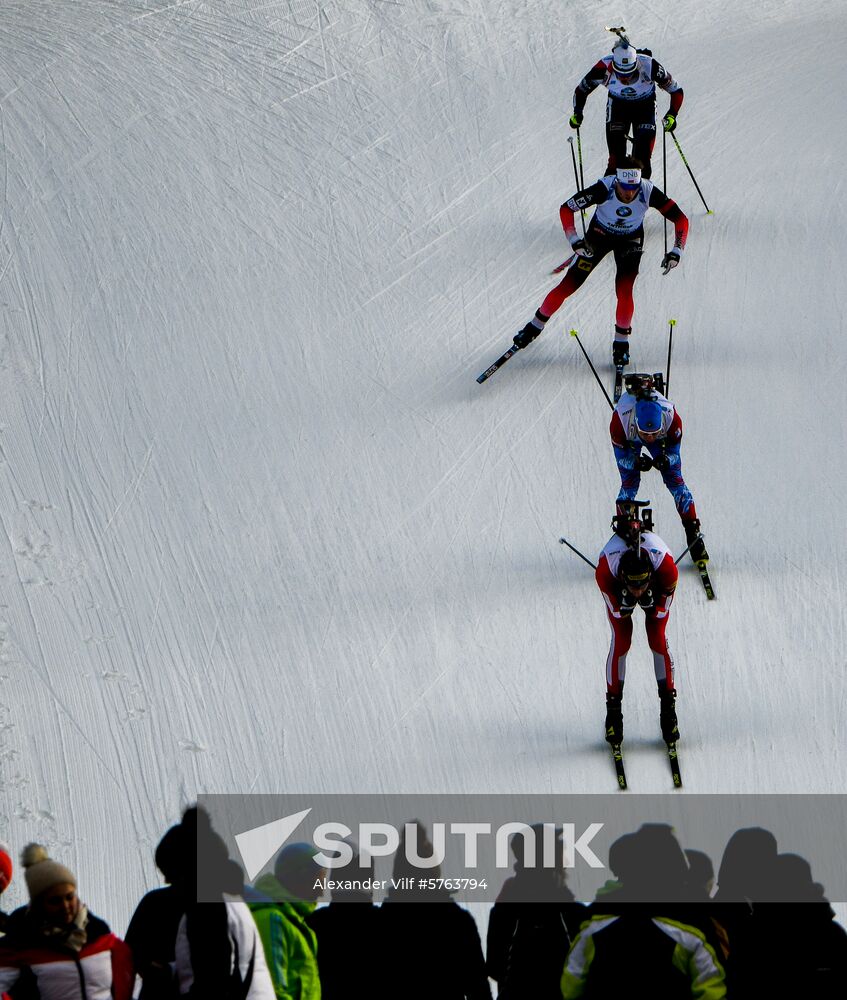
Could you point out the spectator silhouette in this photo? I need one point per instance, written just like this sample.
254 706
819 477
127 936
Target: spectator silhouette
348 934
744 875
532 924
289 941
645 928
818 945
6 869
218 953
54 947
746 868
790 945
431 945
152 931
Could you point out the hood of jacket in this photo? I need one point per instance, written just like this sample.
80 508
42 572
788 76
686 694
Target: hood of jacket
276 895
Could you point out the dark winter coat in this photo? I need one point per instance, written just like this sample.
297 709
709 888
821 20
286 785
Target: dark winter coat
792 950
151 936
528 942
349 947
431 949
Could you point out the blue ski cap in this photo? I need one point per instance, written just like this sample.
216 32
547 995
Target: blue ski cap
648 416
629 178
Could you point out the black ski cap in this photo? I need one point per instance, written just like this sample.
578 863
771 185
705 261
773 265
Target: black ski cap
634 568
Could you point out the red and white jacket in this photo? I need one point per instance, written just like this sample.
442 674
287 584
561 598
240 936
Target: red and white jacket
663 578
101 970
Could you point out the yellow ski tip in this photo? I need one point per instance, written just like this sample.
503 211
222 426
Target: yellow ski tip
574 333
710 212
672 322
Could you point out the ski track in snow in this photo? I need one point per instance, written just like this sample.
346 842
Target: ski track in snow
263 529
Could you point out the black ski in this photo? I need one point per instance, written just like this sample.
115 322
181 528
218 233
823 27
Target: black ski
620 772
674 761
617 757
618 390
705 579
702 568
498 363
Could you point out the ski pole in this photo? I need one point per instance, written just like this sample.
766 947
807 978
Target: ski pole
498 363
576 180
564 541
687 547
575 335
665 181
693 178
671 325
564 264
579 154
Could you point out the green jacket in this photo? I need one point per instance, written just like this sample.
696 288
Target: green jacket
291 946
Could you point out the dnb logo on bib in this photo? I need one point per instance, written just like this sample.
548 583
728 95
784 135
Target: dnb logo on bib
628 92
623 212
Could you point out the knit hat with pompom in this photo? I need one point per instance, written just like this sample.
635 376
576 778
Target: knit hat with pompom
5 867
42 872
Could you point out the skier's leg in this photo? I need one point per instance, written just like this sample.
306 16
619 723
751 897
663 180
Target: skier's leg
574 279
656 623
618 648
676 486
685 506
627 261
644 136
617 122
627 460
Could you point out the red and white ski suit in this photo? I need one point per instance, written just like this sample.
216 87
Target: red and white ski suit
620 605
617 228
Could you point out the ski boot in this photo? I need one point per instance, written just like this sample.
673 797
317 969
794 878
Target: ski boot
667 715
620 348
697 545
614 719
523 338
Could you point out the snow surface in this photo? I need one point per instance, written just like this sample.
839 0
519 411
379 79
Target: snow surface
262 530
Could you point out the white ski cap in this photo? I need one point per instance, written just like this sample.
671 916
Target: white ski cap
624 59
628 177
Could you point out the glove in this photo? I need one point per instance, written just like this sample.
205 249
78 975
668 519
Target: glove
582 249
661 462
669 121
670 261
628 604
575 119
523 338
645 463
646 599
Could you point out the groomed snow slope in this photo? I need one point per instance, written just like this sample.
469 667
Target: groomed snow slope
263 531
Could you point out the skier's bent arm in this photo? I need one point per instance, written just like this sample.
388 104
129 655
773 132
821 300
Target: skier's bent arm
662 78
594 195
673 213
